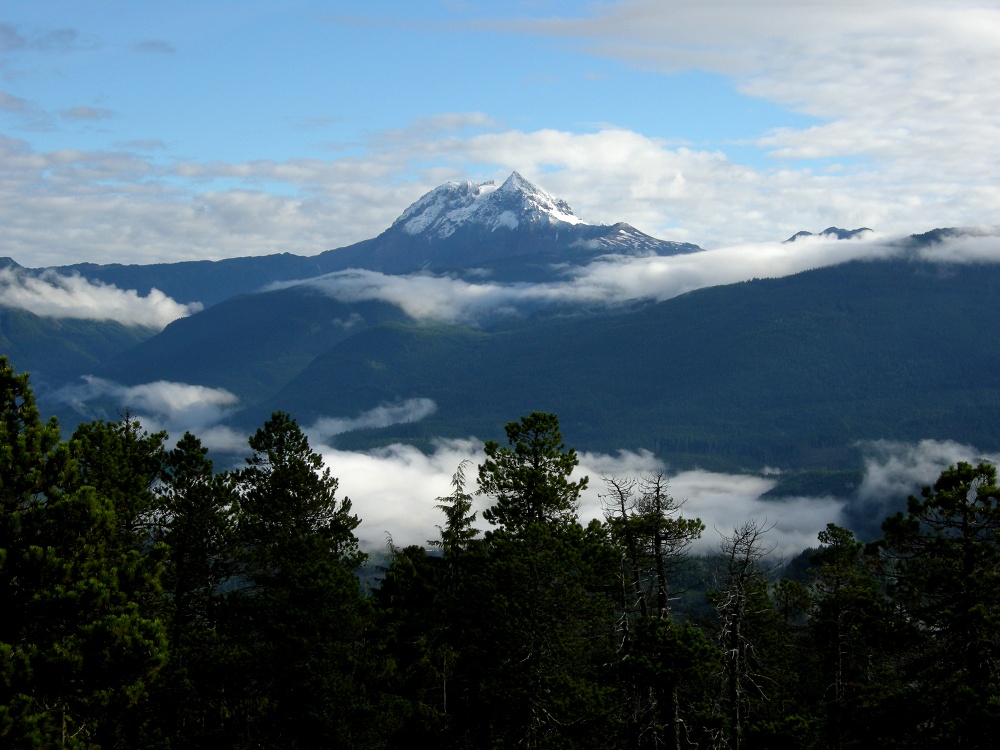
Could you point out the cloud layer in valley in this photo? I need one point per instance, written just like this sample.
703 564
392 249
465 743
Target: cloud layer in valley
894 469
395 490
56 296
616 280
161 405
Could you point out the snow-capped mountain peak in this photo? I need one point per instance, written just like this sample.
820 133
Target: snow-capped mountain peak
515 203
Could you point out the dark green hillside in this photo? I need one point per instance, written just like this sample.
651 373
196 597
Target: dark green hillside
789 372
57 349
202 281
251 345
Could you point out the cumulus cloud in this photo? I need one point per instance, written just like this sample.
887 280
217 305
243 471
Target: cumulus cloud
56 296
909 84
616 280
112 206
903 138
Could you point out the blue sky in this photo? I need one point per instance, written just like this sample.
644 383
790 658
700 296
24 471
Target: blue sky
143 132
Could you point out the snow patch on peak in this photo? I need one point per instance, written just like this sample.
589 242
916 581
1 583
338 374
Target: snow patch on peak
453 204
446 198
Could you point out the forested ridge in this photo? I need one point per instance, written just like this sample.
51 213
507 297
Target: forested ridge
149 601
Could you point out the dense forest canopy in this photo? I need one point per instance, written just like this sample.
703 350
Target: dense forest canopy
151 601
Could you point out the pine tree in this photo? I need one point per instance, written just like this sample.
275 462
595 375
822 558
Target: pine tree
78 648
530 480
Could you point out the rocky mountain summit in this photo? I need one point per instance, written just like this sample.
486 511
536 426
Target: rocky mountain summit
515 231
516 203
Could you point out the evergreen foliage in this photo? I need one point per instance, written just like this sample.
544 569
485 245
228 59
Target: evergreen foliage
150 601
942 562
298 614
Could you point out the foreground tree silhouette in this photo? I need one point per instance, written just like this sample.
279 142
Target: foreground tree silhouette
195 522
741 601
661 660
546 620
299 614
79 646
851 636
529 481
942 562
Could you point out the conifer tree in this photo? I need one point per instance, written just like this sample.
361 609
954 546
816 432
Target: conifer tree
195 522
942 562
850 633
78 646
545 636
299 615
529 481
660 660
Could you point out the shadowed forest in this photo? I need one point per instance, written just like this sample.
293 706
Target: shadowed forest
149 601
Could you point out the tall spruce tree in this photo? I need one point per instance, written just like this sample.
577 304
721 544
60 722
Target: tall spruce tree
547 622
300 615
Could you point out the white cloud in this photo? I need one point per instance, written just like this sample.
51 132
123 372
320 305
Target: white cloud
395 489
903 96
63 206
56 296
161 405
912 85
411 410
894 470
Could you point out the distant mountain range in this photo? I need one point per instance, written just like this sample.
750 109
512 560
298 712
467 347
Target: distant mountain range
790 372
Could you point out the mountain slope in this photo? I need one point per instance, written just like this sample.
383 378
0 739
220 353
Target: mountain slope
251 344
55 350
788 372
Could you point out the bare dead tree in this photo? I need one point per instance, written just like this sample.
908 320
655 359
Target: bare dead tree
741 594
654 539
